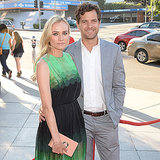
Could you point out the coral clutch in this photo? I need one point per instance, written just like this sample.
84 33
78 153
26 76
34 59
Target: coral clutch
70 144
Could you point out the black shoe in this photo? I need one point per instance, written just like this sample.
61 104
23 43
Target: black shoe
9 74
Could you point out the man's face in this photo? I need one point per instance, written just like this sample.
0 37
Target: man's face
89 25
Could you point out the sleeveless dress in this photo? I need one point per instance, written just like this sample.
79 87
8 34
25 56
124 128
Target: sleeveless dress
65 88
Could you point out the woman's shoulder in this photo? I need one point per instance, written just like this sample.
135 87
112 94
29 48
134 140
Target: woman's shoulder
41 64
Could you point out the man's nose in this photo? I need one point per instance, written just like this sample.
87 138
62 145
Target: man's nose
89 25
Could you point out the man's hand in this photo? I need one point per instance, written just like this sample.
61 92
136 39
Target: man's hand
41 115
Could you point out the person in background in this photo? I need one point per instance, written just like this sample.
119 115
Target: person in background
4 35
59 86
17 51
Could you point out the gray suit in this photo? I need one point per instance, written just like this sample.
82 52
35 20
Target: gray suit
113 80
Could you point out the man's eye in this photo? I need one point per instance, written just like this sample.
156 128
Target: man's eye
83 21
94 20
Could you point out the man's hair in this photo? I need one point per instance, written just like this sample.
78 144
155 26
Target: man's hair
87 7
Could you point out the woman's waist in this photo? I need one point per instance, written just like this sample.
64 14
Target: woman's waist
64 102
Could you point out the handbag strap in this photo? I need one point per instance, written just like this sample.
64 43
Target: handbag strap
3 39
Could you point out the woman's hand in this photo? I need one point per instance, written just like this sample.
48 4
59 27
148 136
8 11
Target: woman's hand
59 148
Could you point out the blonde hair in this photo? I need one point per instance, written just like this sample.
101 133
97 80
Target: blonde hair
45 38
17 38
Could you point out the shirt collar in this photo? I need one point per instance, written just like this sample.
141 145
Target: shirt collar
94 46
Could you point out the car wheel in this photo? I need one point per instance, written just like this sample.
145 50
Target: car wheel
142 56
122 45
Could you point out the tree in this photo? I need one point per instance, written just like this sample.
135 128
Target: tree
134 1
157 10
100 3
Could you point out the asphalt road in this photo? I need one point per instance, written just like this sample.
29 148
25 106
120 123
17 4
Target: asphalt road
139 76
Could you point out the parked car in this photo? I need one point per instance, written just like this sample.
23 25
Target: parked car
150 25
72 23
123 39
8 23
145 48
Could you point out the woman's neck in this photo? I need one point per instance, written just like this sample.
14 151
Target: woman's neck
56 53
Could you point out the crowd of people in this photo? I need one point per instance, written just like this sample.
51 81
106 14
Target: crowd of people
10 42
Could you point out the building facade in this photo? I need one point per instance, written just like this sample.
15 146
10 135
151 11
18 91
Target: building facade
123 15
25 11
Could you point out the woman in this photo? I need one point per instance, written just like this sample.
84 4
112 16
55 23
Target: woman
17 51
5 39
59 86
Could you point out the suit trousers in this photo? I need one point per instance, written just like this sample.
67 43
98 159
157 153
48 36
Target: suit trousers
106 137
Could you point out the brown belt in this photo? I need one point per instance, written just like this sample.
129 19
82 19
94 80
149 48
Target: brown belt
95 114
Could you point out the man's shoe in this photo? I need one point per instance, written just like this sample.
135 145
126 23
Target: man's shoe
9 74
4 75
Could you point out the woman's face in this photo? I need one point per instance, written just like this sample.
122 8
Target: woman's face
60 36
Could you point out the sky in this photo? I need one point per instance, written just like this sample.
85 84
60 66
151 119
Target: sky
110 1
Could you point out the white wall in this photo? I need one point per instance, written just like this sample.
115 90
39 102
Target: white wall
29 17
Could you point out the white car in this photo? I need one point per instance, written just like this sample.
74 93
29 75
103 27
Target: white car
8 23
145 48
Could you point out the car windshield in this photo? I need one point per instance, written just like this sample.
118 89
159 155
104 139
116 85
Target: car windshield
145 25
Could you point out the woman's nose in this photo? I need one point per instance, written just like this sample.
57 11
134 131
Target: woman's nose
61 37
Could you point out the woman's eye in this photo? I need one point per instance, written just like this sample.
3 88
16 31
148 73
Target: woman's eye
55 34
65 33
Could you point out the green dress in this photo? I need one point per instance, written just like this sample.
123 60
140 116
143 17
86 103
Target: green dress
65 88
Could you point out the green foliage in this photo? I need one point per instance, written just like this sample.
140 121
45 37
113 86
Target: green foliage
43 21
36 26
133 1
121 5
101 3
157 8
10 19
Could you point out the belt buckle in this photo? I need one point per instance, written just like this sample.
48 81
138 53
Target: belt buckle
105 112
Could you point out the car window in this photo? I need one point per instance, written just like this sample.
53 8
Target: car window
133 33
155 37
153 25
141 33
5 22
145 25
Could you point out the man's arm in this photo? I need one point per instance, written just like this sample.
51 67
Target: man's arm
119 82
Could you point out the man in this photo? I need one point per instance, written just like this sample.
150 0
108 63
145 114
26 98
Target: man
100 66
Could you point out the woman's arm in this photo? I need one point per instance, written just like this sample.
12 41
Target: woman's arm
13 45
45 94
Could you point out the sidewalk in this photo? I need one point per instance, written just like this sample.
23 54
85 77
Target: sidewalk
19 105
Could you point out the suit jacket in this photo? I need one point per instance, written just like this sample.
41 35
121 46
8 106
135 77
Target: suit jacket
113 76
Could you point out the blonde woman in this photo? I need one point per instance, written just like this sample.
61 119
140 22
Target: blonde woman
17 51
59 86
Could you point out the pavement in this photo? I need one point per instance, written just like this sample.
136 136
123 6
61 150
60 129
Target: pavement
20 102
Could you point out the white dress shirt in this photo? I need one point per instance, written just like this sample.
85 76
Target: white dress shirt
93 90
